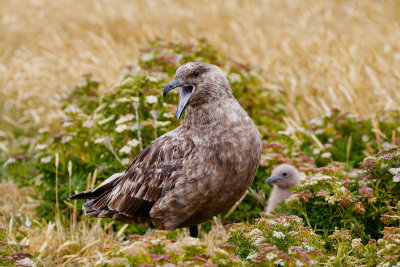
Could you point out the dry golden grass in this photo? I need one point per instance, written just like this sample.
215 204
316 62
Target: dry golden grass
83 246
322 53
15 200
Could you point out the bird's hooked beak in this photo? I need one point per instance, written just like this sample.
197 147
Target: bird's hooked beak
271 180
185 94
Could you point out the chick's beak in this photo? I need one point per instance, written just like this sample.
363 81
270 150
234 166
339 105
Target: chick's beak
271 180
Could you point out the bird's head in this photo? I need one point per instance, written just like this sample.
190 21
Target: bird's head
284 176
199 83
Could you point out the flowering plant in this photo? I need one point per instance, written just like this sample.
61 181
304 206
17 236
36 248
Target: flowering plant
364 200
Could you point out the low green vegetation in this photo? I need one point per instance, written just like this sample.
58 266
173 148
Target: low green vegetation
346 211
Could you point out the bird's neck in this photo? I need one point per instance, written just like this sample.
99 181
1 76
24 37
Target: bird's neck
212 114
277 196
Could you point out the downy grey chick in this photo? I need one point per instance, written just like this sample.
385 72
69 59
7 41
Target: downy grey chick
283 177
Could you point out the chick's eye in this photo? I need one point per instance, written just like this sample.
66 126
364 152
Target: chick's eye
284 174
196 74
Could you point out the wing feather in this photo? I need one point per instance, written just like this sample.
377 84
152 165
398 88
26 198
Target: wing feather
149 177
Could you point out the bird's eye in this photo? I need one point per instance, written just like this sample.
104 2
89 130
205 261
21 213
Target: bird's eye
196 74
284 174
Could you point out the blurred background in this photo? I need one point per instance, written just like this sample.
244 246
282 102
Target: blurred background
321 53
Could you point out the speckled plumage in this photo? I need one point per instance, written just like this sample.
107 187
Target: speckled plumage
192 173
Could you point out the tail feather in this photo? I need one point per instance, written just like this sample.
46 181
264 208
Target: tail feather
107 184
90 194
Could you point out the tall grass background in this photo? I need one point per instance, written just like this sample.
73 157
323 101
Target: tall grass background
321 53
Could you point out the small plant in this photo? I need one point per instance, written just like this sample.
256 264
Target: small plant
346 138
282 241
363 201
158 249
14 254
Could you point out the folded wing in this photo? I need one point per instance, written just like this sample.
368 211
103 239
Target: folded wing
129 196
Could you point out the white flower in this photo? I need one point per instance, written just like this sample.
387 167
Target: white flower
40 146
152 79
67 123
355 243
394 171
147 57
100 107
125 150
72 108
82 83
126 82
100 140
125 118
28 222
66 139
396 178
235 78
45 159
97 116
365 138
136 105
155 114
307 246
126 161
317 121
299 263
162 123
133 143
9 161
104 121
255 232
259 240
387 145
279 262
43 130
160 75
134 128
330 199
121 128
88 124
168 115
350 116
316 151
326 155
123 99
252 256
151 99
270 256
278 235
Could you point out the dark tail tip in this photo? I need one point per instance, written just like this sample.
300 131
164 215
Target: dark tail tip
83 195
